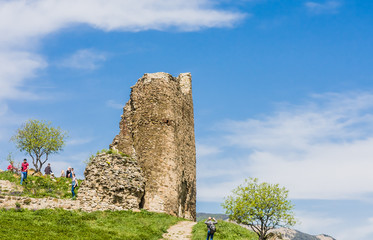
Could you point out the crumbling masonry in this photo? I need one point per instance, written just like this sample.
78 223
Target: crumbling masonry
157 130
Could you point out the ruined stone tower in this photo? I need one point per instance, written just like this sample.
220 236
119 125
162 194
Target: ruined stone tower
157 129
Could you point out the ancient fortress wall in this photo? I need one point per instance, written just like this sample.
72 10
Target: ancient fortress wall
157 130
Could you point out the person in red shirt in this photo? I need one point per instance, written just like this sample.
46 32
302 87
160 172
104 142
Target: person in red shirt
11 167
24 169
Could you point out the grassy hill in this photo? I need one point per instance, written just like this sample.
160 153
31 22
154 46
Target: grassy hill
64 224
39 187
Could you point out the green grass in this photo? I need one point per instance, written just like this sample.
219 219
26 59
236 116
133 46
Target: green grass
40 187
63 224
224 231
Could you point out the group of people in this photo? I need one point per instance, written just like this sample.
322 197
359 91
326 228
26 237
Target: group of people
74 182
48 171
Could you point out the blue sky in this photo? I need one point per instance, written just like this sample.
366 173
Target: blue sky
283 90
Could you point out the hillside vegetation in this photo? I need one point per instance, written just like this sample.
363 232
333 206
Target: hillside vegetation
64 224
39 187
224 231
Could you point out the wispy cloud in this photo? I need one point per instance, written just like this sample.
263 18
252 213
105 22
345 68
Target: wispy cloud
86 59
316 223
206 150
16 67
8 121
364 231
113 104
318 150
24 23
27 19
78 141
322 8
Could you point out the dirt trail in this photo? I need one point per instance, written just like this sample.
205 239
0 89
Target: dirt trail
180 231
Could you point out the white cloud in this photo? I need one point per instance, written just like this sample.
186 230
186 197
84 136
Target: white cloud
78 141
24 23
364 231
9 121
318 150
28 19
114 104
86 59
206 150
314 222
326 7
15 68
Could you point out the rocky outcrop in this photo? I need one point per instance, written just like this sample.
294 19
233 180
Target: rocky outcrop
157 130
112 179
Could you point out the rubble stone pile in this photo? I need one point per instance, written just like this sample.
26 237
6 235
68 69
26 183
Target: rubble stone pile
112 179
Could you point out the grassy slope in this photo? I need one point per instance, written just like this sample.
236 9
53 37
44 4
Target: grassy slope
64 224
39 187
224 231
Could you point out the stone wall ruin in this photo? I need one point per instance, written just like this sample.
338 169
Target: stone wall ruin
112 180
157 130
157 133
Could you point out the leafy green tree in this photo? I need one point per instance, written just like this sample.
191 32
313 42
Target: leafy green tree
39 139
262 206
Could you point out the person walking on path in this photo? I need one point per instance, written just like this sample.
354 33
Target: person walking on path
74 184
211 229
48 169
24 169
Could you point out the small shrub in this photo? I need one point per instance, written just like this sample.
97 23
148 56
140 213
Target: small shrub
18 205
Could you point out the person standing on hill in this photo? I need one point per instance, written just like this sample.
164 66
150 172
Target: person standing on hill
24 169
48 169
72 172
211 229
11 167
74 184
68 172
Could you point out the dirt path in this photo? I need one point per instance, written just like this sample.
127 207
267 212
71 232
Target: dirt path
180 231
